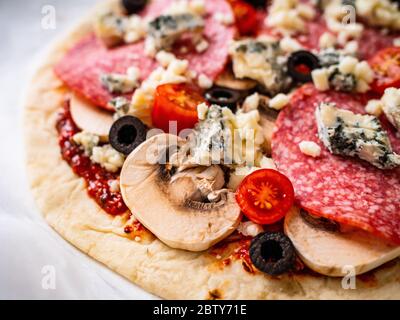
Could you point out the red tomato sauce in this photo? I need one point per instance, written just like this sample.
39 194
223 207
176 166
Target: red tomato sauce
96 177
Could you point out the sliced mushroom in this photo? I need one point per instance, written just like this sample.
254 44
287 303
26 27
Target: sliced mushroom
90 118
228 80
331 252
171 203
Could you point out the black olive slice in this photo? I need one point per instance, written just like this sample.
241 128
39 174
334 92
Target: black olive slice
127 133
224 97
259 4
272 253
300 65
319 222
133 6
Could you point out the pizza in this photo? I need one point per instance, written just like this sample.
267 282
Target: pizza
226 149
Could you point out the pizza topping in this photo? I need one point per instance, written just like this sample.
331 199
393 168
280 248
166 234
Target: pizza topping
250 229
337 20
279 101
300 65
174 209
143 99
336 248
165 30
259 60
121 106
310 148
228 138
90 118
346 133
110 28
289 17
265 196
108 158
121 83
175 107
224 97
391 106
133 6
272 253
127 133
386 65
380 13
341 73
245 16
87 141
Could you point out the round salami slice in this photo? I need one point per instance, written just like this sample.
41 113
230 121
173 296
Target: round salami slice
347 190
83 65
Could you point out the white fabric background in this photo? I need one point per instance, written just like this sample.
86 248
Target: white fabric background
27 244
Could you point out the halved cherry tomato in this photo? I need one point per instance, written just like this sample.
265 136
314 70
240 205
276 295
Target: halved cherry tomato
386 65
245 16
265 196
176 102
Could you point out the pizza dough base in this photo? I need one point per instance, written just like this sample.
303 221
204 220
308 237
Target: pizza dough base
173 274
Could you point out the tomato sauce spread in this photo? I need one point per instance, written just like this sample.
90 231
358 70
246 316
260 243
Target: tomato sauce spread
96 177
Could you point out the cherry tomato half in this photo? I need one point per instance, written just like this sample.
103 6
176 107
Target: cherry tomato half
265 196
245 16
176 102
386 65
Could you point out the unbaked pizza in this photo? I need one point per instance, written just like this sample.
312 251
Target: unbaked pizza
226 149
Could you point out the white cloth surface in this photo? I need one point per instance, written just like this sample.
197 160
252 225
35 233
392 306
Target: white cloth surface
30 251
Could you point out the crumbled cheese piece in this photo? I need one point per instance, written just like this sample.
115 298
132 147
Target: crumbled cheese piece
310 148
374 107
342 73
327 40
258 60
251 102
143 97
109 27
279 101
108 158
196 7
320 78
396 42
290 45
114 185
391 106
87 140
351 47
267 163
165 30
336 16
204 82
150 49
346 133
347 64
135 29
289 16
165 58
381 13
121 83
121 106
224 18
202 110
249 229
138 239
202 46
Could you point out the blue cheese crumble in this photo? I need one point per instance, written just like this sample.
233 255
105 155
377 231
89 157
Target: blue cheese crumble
355 135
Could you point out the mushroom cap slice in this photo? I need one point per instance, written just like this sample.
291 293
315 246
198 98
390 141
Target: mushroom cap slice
331 252
90 118
166 209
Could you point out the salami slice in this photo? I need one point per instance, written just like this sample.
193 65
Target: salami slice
347 190
82 66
